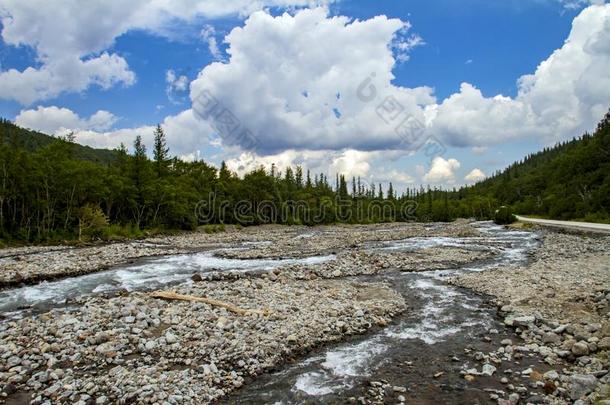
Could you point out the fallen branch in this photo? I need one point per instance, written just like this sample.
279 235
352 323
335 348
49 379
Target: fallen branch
169 295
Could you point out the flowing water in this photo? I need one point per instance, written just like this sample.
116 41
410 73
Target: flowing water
440 321
147 275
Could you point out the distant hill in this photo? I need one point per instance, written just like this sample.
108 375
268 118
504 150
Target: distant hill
568 181
33 140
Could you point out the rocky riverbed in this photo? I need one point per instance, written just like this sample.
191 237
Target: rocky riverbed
149 350
559 305
411 336
35 264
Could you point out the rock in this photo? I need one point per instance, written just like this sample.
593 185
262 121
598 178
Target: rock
551 337
401 398
13 361
291 339
604 343
469 377
336 273
150 345
506 342
524 321
551 375
514 397
170 338
488 369
582 384
222 322
535 399
196 277
580 348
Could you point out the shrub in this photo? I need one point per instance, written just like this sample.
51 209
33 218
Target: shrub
504 215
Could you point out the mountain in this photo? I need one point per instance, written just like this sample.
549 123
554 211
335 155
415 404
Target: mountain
33 140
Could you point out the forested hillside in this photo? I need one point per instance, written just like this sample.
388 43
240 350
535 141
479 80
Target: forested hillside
53 189
17 137
568 181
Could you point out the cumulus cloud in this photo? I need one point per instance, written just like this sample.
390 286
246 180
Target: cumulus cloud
442 171
292 95
59 121
340 95
475 175
369 166
566 95
68 38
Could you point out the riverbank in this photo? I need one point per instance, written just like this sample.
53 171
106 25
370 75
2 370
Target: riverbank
559 305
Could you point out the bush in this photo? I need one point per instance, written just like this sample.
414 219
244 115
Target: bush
504 215
119 232
91 221
214 228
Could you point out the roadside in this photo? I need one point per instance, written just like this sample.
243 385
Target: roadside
573 225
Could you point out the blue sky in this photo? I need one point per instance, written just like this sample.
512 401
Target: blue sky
489 45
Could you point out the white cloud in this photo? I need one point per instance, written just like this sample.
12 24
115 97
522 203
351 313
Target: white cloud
403 43
185 134
479 150
59 121
67 73
566 95
68 37
286 91
576 4
442 171
208 34
176 82
475 175
369 166
175 85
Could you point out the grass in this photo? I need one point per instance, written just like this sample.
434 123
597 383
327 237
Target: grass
210 228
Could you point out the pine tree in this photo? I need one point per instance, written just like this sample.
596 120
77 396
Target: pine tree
160 151
299 177
308 184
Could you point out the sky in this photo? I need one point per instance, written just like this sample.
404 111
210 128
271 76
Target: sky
437 92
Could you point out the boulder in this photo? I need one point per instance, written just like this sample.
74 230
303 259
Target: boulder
582 384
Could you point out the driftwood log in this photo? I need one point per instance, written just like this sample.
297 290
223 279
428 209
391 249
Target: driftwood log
170 295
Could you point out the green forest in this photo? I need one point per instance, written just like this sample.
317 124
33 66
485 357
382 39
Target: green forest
52 189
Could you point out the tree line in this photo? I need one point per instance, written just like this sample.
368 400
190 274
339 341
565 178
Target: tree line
54 189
